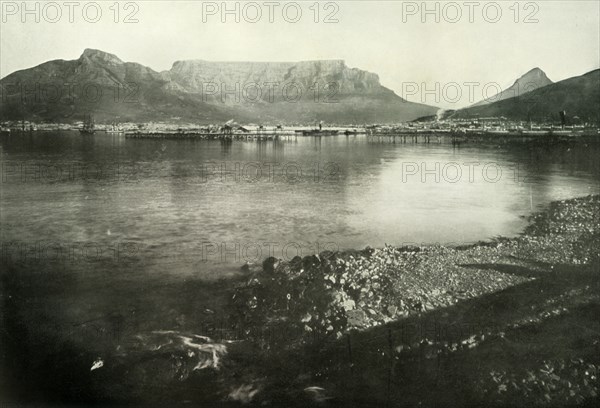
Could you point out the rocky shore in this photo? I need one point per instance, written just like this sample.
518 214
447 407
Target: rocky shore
333 293
457 301
510 322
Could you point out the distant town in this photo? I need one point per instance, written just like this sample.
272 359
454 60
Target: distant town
455 126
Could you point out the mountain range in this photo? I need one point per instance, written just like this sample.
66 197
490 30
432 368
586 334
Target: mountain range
578 96
200 91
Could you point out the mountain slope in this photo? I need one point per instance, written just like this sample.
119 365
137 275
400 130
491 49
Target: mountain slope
578 96
532 80
202 91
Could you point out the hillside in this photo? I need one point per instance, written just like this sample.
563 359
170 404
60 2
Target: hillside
532 80
578 96
201 91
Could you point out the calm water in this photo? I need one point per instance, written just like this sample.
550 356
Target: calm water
203 208
105 238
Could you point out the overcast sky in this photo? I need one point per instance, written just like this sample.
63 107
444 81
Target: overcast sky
389 38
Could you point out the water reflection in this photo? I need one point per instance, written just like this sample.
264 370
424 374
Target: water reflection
177 199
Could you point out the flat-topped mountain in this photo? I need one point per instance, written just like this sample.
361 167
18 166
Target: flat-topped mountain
202 91
191 74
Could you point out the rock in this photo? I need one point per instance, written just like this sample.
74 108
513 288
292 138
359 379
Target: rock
98 363
310 262
326 255
296 261
348 305
356 318
270 264
368 251
391 310
317 394
243 394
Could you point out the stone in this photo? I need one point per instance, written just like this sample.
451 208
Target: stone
392 310
356 318
270 264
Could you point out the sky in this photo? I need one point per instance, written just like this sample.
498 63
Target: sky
472 49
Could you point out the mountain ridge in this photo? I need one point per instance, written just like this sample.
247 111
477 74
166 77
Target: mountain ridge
578 96
533 79
343 94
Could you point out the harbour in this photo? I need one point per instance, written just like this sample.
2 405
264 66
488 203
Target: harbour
346 204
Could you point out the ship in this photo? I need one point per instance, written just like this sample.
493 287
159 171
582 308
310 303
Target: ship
88 127
319 132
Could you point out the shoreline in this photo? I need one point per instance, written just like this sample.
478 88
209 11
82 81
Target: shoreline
440 306
458 326
341 268
433 137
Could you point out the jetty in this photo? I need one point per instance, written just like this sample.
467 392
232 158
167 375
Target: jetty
318 132
242 133
205 135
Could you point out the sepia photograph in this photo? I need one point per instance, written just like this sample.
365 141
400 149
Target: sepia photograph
311 203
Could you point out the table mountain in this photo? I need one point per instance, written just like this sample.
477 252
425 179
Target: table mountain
201 91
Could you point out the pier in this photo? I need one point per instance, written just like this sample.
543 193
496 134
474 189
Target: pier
205 136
